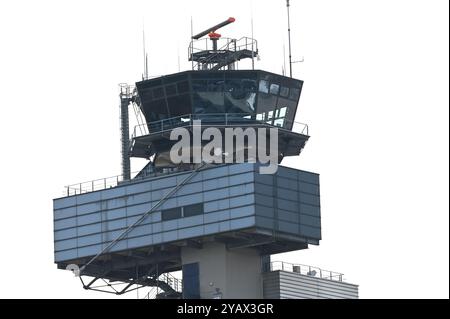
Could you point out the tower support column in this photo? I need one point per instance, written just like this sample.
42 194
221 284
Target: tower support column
214 272
125 97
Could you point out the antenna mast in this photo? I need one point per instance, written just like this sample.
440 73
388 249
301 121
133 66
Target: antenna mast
145 75
289 39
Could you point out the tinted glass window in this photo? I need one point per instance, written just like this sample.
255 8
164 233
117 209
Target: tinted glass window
294 94
183 87
284 91
192 210
172 213
264 86
274 88
158 92
171 89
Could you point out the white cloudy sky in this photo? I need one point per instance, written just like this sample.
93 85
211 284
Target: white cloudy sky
375 97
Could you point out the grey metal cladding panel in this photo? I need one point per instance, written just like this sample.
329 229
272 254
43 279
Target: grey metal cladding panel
170 235
288 216
287 183
211 228
264 211
136 210
265 222
66 255
89 250
140 230
294 285
88 198
325 288
65 234
215 183
242 200
216 205
288 205
64 212
193 188
271 285
241 223
264 189
242 189
215 172
63 202
310 199
287 172
114 192
308 177
172 202
88 219
288 227
138 198
310 220
142 187
189 199
309 188
64 223
89 229
190 221
89 208
190 232
164 182
65 244
287 194
242 212
306 209
216 194
241 178
140 241
266 179
309 231
241 168
89 240
264 200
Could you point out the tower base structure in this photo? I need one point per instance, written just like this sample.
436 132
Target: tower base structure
215 272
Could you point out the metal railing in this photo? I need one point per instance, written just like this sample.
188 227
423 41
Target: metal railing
219 119
228 44
303 270
168 278
113 181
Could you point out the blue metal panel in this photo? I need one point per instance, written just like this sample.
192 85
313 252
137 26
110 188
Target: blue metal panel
234 197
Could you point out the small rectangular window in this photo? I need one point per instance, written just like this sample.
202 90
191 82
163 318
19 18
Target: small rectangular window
274 88
279 122
192 210
295 94
172 213
284 91
263 86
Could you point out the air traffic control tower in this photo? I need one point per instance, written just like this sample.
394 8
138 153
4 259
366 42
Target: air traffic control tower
217 223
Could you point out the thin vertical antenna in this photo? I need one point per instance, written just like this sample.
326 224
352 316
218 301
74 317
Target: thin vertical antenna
146 66
284 59
145 75
178 52
289 39
192 43
251 21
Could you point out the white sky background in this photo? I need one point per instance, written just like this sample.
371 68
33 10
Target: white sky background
375 97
